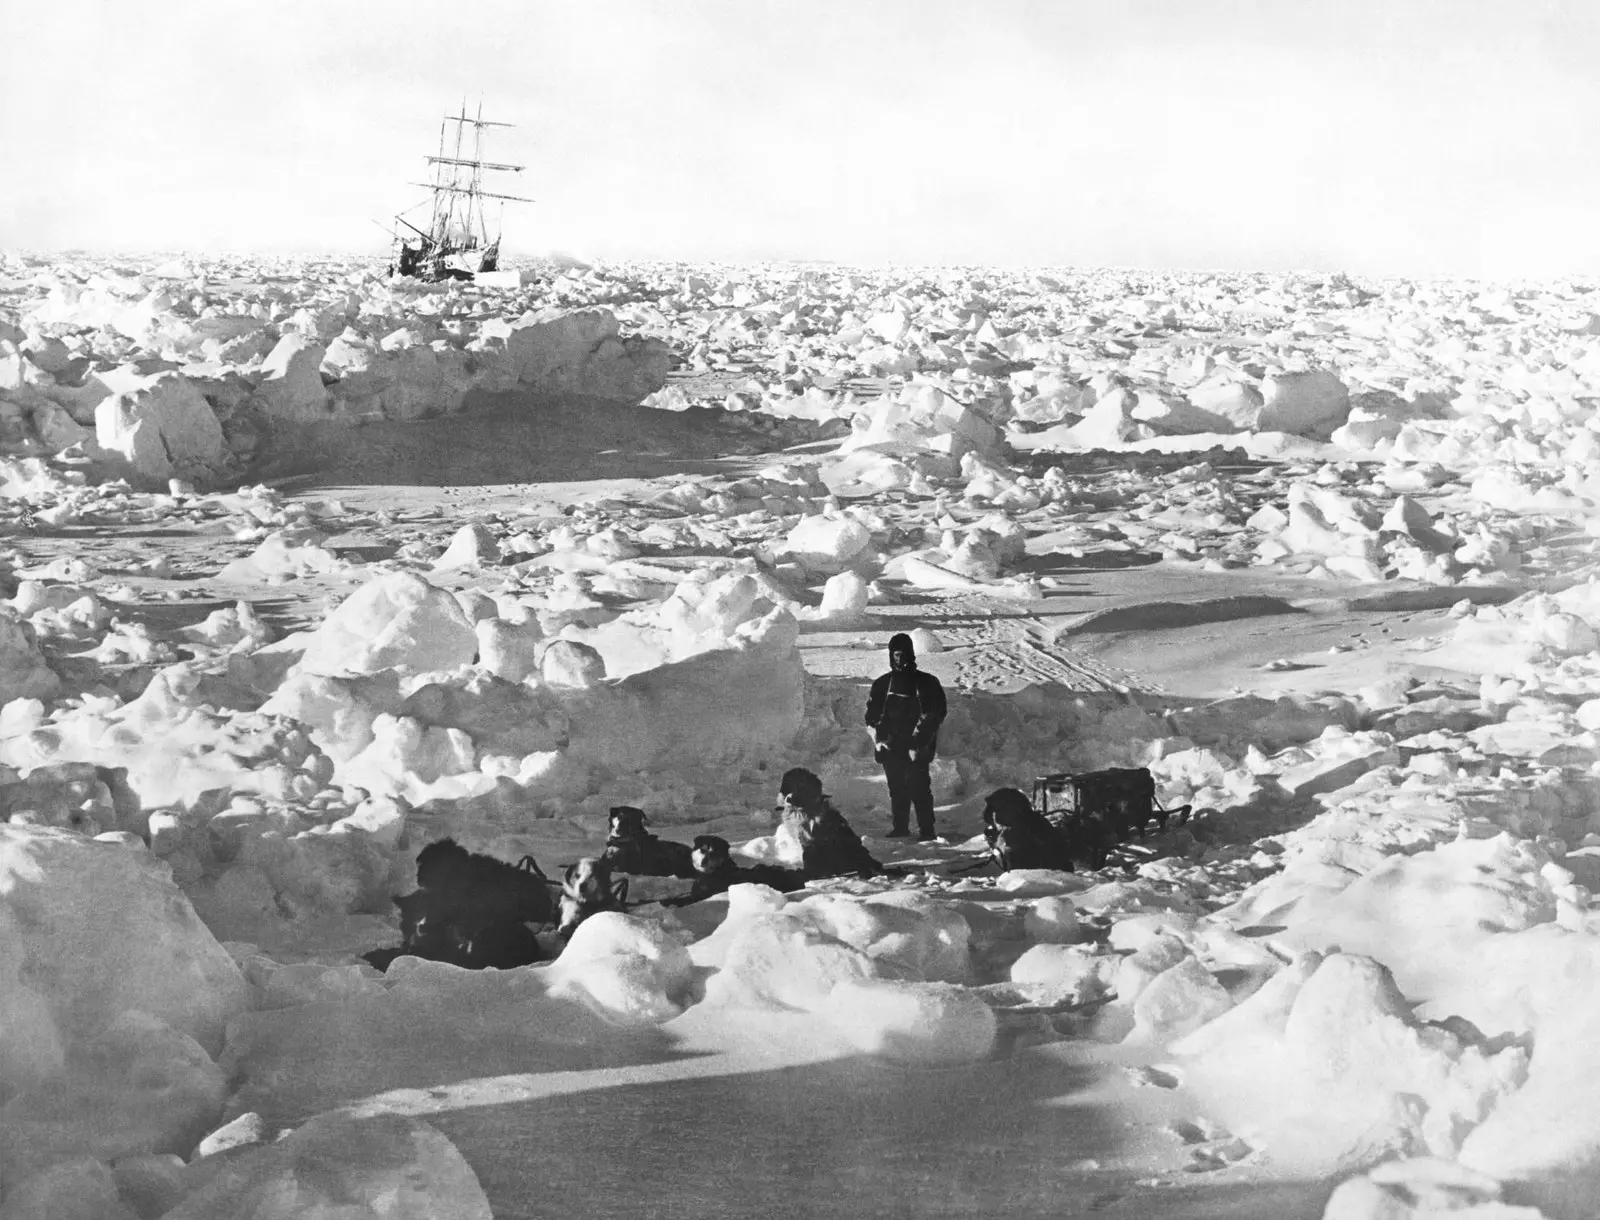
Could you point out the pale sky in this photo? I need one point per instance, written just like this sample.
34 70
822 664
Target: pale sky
1413 137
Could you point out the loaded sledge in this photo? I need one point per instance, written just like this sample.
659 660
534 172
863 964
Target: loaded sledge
1098 810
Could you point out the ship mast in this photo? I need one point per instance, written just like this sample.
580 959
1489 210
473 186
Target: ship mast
450 194
477 173
457 243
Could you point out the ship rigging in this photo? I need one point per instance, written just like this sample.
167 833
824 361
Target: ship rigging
456 244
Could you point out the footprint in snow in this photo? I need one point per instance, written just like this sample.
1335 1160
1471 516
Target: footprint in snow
1153 1077
1217 1155
1189 1133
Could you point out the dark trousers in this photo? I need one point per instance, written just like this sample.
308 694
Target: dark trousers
909 787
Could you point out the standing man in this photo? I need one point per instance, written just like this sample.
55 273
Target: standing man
904 710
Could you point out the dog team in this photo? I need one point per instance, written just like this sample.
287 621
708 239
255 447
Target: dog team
475 911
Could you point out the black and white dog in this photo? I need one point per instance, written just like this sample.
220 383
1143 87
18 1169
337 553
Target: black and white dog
630 848
716 872
829 845
586 889
1021 837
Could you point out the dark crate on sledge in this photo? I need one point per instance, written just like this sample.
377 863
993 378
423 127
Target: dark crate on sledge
1096 810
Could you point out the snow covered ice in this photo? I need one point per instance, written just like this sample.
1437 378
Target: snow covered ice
299 574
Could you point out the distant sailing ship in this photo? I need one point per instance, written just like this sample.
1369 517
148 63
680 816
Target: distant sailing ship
456 244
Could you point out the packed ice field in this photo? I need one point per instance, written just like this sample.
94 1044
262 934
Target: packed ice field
1367 965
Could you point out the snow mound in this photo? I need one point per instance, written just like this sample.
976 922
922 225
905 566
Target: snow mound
509 650
826 542
394 621
885 971
922 418
716 706
1546 1137
703 613
291 386
1327 1068
81 1189
1180 999
1052 920
1435 917
910 1022
768 959
844 597
138 1085
162 428
1065 973
281 557
629 970
572 665
24 674
1419 1188
94 931
309 983
1310 403
405 1168
578 352
906 935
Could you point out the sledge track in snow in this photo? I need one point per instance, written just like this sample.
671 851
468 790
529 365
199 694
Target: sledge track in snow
1022 648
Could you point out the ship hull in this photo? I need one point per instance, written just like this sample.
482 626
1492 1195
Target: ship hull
445 262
